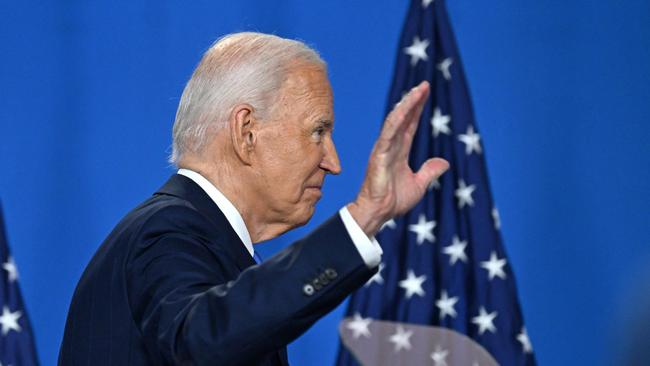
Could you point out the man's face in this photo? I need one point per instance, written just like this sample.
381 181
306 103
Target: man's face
294 149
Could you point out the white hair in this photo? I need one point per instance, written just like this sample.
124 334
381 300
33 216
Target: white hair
238 68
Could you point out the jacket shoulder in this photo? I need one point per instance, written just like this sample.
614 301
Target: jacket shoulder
168 213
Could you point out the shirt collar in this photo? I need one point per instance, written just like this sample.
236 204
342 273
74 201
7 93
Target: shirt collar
232 215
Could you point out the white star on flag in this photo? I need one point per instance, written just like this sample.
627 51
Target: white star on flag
471 140
413 284
418 50
359 326
443 66
12 270
9 320
484 321
497 218
494 266
439 356
423 229
401 339
376 278
456 251
446 305
464 194
391 224
434 184
525 341
440 123
425 3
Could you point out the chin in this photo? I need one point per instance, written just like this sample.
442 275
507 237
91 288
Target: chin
303 217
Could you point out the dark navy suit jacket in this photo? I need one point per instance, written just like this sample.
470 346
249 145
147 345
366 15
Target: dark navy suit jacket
174 285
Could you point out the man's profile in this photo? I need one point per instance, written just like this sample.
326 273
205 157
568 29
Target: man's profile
178 282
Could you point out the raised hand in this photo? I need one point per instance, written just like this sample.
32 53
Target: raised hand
390 187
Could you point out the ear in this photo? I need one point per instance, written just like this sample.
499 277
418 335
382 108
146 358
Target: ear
243 132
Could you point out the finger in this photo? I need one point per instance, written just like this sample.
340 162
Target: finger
402 110
412 114
412 126
429 171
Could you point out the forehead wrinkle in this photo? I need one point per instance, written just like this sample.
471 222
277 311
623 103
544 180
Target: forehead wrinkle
303 78
305 85
301 87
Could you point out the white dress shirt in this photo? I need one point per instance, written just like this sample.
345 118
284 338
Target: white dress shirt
369 249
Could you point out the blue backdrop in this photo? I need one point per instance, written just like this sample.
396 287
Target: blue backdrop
88 93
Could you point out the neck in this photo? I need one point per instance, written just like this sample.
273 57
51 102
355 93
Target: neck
247 202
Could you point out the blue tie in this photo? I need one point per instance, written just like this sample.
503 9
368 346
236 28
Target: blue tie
257 257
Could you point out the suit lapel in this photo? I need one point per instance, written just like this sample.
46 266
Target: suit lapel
182 187
185 188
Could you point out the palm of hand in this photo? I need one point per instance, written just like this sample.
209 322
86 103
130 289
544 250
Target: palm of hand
391 187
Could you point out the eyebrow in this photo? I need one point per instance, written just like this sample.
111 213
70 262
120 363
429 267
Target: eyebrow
325 123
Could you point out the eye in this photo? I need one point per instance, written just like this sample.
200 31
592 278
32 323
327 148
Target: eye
318 133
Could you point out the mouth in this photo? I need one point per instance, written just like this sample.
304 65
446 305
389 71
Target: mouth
316 185
316 190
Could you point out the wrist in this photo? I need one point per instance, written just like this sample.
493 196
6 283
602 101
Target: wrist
369 220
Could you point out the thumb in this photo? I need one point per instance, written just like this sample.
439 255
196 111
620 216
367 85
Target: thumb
430 170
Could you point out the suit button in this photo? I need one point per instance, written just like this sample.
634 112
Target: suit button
323 279
331 274
308 290
317 284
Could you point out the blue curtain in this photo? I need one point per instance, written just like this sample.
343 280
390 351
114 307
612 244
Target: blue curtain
88 92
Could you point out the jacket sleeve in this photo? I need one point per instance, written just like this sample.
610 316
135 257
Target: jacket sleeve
189 313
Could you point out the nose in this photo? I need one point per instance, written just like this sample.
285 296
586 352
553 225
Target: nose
330 162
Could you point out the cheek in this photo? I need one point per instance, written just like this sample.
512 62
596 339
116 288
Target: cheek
298 160
282 177
288 166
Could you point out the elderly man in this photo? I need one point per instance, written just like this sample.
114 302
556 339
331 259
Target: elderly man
178 280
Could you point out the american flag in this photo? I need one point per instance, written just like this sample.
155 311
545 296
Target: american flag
16 340
444 264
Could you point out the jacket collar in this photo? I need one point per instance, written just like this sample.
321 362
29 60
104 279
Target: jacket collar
184 188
